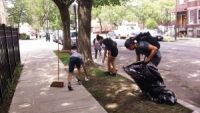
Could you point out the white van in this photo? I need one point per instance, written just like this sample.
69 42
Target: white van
127 31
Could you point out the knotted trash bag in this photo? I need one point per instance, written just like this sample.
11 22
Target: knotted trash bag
150 82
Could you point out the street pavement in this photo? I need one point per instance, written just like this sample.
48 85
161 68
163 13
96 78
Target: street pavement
34 94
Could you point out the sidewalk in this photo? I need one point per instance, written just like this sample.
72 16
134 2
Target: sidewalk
34 94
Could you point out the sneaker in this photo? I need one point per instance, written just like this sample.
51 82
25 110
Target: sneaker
87 79
70 88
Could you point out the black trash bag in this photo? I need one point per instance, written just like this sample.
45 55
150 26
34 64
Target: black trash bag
150 82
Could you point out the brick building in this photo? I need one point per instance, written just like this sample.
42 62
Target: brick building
2 13
188 17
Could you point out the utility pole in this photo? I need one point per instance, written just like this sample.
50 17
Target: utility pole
75 10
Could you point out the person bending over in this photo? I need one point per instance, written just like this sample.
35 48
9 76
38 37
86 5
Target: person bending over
112 51
76 60
151 52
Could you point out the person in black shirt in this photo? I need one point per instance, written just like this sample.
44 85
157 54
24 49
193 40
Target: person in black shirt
112 50
150 51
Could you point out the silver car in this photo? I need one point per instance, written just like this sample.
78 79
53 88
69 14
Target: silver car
73 36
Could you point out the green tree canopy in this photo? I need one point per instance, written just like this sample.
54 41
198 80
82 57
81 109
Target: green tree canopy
34 12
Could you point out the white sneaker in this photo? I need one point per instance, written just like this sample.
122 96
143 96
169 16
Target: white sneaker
87 79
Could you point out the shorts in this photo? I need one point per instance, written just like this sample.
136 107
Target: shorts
74 61
114 52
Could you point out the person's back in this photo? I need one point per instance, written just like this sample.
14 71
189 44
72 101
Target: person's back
146 36
76 54
110 44
143 48
151 52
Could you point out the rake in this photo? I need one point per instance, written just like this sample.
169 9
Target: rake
58 83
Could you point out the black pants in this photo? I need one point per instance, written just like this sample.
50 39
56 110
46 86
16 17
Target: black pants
96 52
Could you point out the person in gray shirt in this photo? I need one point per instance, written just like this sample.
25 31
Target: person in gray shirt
150 51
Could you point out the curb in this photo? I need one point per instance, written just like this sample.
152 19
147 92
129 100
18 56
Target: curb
194 108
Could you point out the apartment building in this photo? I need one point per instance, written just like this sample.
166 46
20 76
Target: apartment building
2 13
188 17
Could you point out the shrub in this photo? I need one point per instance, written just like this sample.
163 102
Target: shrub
151 24
24 36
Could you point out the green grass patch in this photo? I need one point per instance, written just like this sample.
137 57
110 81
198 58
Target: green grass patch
9 92
120 95
64 57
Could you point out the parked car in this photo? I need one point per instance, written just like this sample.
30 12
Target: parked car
126 31
73 35
56 34
157 35
111 34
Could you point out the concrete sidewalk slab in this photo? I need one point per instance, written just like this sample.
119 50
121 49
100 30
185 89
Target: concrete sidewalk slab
34 94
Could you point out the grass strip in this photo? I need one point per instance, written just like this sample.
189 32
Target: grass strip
10 90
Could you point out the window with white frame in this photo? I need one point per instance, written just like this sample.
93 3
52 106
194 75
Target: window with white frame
191 16
181 1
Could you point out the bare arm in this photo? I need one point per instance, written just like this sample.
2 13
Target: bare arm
153 50
137 57
84 69
104 56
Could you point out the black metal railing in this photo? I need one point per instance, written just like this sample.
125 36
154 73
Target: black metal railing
9 55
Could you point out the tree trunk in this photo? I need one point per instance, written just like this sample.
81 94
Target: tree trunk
100 24
65 17
84 28
66 28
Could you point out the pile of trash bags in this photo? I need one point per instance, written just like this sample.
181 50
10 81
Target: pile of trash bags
150 82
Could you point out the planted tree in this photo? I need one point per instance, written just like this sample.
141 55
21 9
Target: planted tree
63 6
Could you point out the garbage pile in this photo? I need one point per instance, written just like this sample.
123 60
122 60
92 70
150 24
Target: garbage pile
150 82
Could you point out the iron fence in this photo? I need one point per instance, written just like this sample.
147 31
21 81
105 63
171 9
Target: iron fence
9 55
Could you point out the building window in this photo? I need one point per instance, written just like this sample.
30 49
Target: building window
181 1
191 14
190 33
198 33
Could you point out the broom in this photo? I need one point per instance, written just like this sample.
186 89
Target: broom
58 83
